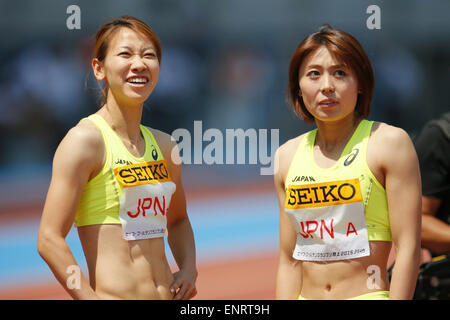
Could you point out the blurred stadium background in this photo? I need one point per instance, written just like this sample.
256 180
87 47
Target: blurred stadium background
224 63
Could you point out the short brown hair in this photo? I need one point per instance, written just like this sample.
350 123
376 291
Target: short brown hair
106 31
343 46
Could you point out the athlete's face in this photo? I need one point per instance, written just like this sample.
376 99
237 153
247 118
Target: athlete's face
328 87
130 68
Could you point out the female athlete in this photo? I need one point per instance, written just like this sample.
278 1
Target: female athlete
348 189
120 182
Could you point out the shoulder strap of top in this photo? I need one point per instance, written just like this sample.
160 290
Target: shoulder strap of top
154 145
310 139
100 123
361 134
303 146
104 129
307 143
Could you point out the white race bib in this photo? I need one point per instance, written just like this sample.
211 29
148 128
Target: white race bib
147 191
329 220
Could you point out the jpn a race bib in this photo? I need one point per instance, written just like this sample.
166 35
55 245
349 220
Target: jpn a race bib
329 220
147 190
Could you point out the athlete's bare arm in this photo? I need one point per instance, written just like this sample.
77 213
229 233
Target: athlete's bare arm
289 276
78 157
179 231
397 159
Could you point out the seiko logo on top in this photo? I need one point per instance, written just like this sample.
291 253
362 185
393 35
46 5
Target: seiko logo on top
142 173
323 194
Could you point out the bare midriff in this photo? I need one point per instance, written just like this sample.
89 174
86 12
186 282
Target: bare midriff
347 278
121 269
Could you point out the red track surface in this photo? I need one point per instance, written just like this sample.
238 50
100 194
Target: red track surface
249 278
240 279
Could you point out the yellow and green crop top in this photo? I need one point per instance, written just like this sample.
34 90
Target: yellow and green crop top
132 191
342 203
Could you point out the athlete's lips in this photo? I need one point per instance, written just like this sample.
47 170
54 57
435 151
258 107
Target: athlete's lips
328 102
138 80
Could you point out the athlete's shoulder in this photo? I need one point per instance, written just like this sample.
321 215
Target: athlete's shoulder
80 152
284 155
291 145
389 134
85 133
285 152
83 141
161 136
391 144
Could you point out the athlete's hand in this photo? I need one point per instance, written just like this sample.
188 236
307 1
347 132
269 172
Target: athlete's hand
183 285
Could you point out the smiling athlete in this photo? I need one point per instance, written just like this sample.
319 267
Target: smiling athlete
121 183
362 191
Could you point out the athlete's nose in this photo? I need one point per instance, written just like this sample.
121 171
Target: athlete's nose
137 64
327 84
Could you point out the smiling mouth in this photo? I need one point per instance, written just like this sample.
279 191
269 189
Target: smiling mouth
138 80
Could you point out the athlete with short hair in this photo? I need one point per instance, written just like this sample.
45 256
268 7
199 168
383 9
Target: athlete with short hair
121 183
363 190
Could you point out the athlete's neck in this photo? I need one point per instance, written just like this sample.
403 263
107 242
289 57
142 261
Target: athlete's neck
332 135
123 118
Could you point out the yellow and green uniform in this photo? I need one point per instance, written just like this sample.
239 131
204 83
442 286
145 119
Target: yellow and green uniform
132 191
375 295
336 211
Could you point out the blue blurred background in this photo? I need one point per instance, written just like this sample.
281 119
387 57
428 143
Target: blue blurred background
224 63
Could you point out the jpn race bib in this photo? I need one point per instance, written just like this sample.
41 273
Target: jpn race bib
329 220
147 190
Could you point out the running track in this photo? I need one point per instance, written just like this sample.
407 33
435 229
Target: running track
236 234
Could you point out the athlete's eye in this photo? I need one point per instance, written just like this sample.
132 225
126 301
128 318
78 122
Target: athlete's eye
340 73
313 74
124 54
150 54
